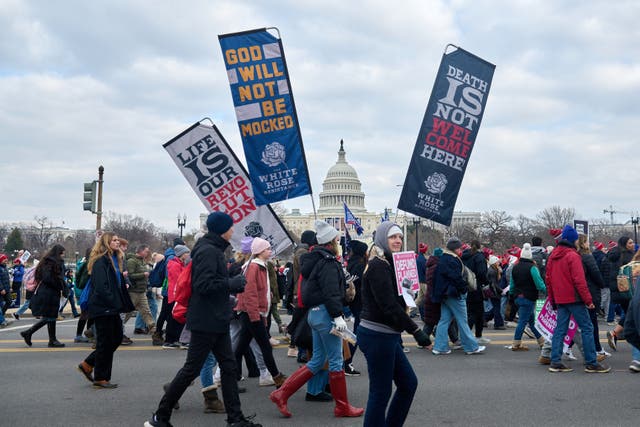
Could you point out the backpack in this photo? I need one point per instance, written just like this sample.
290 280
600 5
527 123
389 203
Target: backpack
82 277
182 295
29 279
158 274
469 278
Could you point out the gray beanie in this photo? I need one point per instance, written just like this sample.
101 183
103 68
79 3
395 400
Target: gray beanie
181 250
325 233
382 235
454 243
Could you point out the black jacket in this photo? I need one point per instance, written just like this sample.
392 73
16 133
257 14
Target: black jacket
477 263
594 278
209 307
46 300
380 300
355 267
523 281
632 321
107 297
617 258
326 284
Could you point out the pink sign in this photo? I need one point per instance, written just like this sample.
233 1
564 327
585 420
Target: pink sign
406 271
548 319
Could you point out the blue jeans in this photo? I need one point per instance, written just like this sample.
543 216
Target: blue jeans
635 353
581 316
525 316
318 382
24 307
153 308
449 309
325 345
387 364
206 373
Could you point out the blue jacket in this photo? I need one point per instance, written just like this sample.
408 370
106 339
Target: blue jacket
18 273
421 263
448 280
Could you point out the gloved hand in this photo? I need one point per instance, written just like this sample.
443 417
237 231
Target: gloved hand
421 338
340 324
236 284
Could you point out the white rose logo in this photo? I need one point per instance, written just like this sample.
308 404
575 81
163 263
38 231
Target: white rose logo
436 183
273 154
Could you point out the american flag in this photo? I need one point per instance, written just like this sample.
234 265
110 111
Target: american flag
349 218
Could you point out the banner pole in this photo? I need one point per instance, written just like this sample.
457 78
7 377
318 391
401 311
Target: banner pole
313 204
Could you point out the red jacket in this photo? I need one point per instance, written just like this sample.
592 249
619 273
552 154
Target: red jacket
174 268
254 300
565 278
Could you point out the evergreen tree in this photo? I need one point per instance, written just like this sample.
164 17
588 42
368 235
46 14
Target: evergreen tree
14 241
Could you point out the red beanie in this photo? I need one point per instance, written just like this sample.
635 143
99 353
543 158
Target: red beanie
423 247
598 245
3 258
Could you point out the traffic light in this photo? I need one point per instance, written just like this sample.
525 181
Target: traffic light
90 196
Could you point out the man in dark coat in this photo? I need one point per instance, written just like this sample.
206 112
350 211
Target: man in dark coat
208 317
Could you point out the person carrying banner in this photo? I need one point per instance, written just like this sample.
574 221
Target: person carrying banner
569 295
383 318
208 320
323 293
450 289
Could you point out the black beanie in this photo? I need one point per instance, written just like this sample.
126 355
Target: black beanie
308 237
219 222
358 247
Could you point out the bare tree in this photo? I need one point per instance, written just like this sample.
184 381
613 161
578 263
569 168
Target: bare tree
556 217
135 229
523 229
39 236
495 226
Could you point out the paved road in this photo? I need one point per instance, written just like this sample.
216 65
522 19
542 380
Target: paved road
40 387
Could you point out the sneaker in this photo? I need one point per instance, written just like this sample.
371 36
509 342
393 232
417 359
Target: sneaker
568 355
605 353
265 380
16 316
349 371
126 340
184 346
598 368
274 342
612 339
292 352
479 350
5 324
80 339
483 340
456 346
635 366
614 323
527 332
511 324
155 422
559 367
406 349
244 422
171 345
436 352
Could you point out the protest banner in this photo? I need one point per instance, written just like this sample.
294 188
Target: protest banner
447 136
266 114
221 183
406 269
546 324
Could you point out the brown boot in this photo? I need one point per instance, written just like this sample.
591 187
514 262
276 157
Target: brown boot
290 386
212 405
540 341
279 379
518 346
156 338
339 391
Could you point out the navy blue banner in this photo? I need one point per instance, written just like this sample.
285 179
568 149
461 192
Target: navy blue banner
447 135
266 114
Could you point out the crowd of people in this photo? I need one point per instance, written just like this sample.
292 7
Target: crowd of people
220 310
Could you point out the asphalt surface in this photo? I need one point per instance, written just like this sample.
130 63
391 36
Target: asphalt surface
41 387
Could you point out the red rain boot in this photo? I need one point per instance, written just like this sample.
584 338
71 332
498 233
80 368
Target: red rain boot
339 391
290 386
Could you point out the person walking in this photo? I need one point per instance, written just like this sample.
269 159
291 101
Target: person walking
5 284
525 285
107 299
323 291
383 318
45 301
620 255
474 260
568 293
208 317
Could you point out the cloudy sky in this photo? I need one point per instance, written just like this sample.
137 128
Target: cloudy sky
108 82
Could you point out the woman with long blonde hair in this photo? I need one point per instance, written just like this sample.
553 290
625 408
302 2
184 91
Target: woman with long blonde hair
108 297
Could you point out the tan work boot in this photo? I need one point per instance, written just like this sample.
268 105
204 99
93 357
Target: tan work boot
211 402
518 346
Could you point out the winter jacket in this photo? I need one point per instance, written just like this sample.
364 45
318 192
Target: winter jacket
526 280
540 256
380 300
5 283
174 268
327 283
616 258
594 279
431 309
137 269
632 321
448 280
18 273
476 262
109 296
494 283
599 256
274 278
355 267
421 264
209 306
292 291
566 283
254 300
46 301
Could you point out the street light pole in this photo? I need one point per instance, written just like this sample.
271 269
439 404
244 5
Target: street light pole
635 221
182 223
416 223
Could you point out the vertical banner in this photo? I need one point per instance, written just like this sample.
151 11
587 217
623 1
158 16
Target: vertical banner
447 135
222 184
581 226
266 114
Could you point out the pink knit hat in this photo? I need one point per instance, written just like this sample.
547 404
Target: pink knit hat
258 245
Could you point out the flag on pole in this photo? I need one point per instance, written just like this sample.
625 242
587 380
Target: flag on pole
349 218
